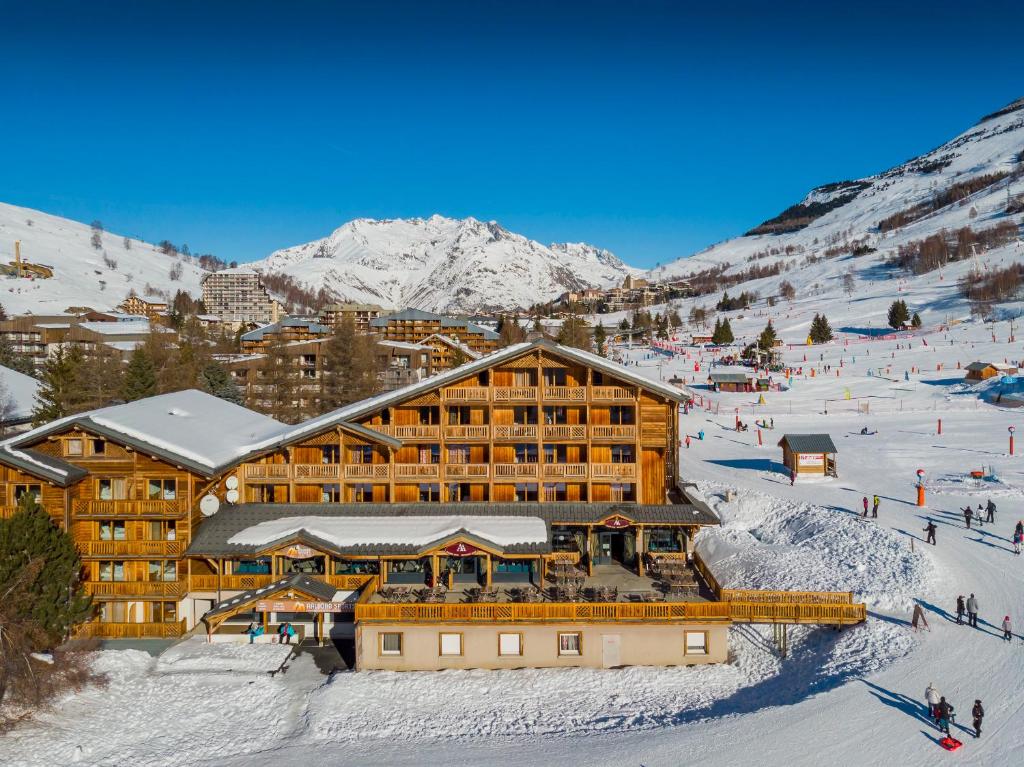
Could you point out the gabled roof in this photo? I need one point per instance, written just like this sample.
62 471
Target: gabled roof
809 443
452 343
189 428
52 469
304 584
376 403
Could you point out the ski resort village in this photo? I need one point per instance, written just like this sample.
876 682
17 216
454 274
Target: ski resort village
422 489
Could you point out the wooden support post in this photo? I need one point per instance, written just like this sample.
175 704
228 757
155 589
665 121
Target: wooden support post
487 575
639 546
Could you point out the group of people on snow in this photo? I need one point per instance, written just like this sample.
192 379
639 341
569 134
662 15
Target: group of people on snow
874 506
942 712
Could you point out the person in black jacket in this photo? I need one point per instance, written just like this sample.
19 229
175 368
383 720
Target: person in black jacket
978 713
945 714
960 609
991 509
968 513
931 532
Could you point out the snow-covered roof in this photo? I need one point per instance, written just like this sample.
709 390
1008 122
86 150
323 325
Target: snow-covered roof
125 328
445 322
123 346
413 531
21 391
190 428
288 322
453 343
405 345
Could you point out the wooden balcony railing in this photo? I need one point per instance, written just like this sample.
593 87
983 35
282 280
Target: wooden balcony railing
467 432
565 393
613 470
514 393
368 471
89 508
266 471
417 470
416 431
316 470
515 431
616 612
513 470
623 432
466 394
467 471
7 511
100 630
565 431
131 548
566 470
135 588
240 582
348 582
611 394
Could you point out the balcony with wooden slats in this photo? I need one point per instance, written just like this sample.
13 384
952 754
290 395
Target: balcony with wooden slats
564 470
100 630
368 471
128 549
515 393
515 470
468 433
613 470
417 471
465 394
135 588
93 508
266 471
316 471
565 393
612 394
609 433
515 431
467 471
563 432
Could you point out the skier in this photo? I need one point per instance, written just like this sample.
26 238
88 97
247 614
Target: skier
931 696
968 512
865 502
874 508
945 710
978 713
1016 543
1007 629
991 509
972 611
931 532
960 610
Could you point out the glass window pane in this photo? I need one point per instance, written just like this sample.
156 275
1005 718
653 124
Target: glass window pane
696 643
451 644
509 644
391 644
568 644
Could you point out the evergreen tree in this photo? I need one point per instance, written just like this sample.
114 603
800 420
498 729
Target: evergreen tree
899 315
623 324
59 394
280 387
139 377
821 331
575 332
215 380
351 367
15 360
723 333
600 339
674 320
915 321
661 327
99 378
30 539
766 341
510 332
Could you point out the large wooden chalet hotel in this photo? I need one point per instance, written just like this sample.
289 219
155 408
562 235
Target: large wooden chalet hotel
524 509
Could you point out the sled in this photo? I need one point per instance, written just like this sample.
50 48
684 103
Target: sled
950 744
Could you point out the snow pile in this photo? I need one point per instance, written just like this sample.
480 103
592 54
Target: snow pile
409 531
768 544
20 390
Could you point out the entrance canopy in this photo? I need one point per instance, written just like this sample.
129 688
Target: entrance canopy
297 586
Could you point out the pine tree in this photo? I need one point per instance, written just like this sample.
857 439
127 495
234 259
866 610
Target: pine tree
575 332
351 367
139 377
215 380
15 360
623 324
899 315
99 377
915 321
279 397
766 341
600 339
661 325
59 393
29 538
722 334
821 331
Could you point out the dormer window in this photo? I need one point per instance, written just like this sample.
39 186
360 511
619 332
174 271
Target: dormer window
73 447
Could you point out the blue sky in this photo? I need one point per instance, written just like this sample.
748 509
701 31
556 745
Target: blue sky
646 128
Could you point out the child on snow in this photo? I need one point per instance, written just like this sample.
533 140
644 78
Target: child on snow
1007 629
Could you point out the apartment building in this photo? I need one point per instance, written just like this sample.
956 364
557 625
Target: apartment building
414 326
360 314
240 298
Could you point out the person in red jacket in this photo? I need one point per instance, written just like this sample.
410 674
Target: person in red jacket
865 506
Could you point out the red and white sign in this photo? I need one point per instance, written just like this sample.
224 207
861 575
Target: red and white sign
617 522
811 459
461 549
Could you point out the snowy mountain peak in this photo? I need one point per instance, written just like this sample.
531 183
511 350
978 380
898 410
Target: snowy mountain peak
442 264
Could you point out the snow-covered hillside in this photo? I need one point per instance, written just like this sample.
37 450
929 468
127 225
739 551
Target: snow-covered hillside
83 275
835 229
443 265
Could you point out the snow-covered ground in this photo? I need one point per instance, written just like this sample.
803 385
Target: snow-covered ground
853 697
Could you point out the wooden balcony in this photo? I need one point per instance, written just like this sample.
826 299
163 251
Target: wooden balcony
91 508
419 431
515 431
515 470
130 549
465 394
347 582
565 431
515 393
624 432
100 630
565 393
417 470
467 471
612 394
135 588
266 471
368 471
319 471
564 470
7 511
241 582
613 471
467 433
